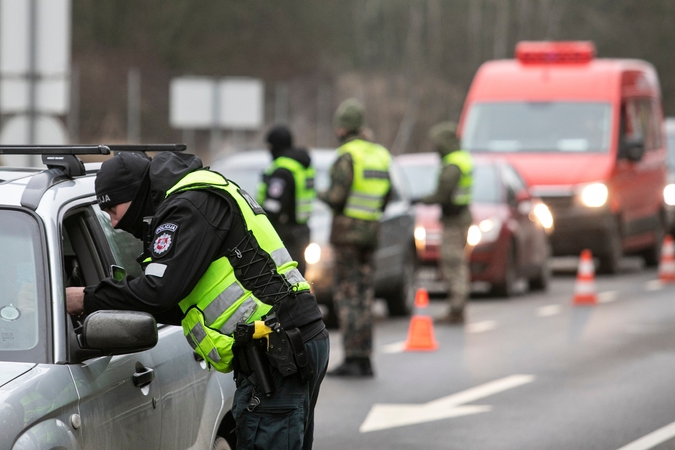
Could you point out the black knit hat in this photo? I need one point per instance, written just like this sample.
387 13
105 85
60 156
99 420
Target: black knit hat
279 137
119 177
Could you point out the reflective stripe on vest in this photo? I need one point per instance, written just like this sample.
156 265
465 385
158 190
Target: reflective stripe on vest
303 177
219 300
371 179
463 160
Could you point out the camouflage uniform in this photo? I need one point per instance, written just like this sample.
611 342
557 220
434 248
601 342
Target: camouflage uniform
354 242
456 222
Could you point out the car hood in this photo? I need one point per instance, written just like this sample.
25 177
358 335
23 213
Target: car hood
561 169
12 370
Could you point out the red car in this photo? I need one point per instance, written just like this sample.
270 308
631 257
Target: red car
509 235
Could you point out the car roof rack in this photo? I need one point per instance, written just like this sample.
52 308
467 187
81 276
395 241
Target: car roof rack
62 162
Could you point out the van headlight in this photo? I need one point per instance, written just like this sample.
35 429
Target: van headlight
313 253
473 237
594 195
669 194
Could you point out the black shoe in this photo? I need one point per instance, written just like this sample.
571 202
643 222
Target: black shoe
353 367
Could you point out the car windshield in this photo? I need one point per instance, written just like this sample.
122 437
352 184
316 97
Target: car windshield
423 179
23 329
510 127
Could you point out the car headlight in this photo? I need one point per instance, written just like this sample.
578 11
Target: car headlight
669 194
543 215
473 237
489 229
420 233
313 253
594 195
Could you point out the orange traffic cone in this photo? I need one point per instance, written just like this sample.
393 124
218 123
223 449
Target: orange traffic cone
421 331
667 262
584 288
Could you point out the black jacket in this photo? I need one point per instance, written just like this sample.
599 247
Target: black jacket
189 230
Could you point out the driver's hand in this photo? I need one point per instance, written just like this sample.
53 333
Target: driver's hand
75 301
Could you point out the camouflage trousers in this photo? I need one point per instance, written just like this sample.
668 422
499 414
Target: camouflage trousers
353 298
455 265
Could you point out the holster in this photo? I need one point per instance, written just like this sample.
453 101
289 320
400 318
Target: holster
287 352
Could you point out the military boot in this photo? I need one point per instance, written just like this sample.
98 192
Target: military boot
353 367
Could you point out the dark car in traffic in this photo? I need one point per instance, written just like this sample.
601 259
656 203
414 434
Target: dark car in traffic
395 256
509 235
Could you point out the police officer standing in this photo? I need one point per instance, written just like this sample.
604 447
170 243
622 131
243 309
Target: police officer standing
208 251
454 195
358 193
287 191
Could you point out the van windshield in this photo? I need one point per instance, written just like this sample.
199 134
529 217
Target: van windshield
511 127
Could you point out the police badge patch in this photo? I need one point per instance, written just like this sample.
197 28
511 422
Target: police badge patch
164 239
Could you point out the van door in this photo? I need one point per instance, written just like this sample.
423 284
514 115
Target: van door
639 184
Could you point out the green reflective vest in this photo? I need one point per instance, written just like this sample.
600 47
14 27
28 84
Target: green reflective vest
463 160
219 300
304 186
371 179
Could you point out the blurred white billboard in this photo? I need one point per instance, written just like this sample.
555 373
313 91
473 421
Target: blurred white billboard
229 103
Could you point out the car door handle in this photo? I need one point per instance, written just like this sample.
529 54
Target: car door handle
144 377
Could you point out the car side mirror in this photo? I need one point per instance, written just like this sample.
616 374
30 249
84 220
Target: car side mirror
632 149
118 332
523 196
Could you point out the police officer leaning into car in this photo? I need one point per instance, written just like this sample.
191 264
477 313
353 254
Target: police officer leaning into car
453 194
287 191
211 261
359 191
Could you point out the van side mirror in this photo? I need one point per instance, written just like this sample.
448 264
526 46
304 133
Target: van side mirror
632 149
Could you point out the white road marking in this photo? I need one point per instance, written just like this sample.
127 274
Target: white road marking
653 285
608 296
383 416
652 439
396 347
480 327
548 310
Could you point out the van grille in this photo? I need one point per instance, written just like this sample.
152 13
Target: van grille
558 203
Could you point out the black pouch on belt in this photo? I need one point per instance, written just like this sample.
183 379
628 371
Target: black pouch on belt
280 352
300 354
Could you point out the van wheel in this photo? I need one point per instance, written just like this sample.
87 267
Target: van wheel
541 281
609 261
221 444
652 255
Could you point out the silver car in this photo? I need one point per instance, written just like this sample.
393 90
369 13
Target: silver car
395 261
115 380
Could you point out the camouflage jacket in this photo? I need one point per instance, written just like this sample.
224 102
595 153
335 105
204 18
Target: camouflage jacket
347 230
447 182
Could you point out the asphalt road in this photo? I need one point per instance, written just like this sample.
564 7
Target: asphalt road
531 372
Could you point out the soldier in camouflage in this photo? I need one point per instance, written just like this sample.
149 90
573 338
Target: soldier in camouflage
354 240
453 194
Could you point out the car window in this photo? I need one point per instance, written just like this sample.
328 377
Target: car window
125 247
422 179
485 187
24 334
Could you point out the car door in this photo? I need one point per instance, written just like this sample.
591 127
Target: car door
180 374
119 399
521 209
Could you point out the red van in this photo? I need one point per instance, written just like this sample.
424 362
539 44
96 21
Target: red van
587 135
